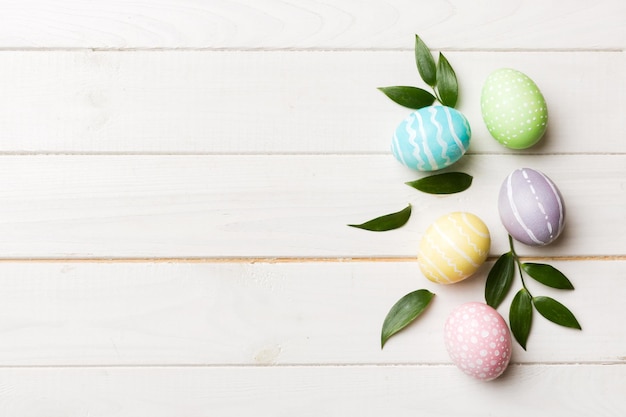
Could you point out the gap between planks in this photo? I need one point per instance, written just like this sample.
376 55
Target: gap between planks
302 365
285 260
288 49
277 154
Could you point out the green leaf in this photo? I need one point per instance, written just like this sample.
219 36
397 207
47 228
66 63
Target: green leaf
386 222
446 183
447 85
411 97
425 62
499 280
521 316
555 312
548 275
404 312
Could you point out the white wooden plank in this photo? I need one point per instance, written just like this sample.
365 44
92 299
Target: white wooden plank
285 102
564 391
275 80
76 314
311 24
277 206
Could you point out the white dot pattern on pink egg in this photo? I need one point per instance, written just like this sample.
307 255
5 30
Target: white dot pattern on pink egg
478 340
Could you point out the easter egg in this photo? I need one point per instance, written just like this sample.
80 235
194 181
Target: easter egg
513 109
478 340
453 248
531 207
431 138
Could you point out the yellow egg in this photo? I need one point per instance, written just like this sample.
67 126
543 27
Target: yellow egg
453 248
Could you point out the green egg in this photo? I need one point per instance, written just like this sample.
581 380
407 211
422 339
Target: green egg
513 109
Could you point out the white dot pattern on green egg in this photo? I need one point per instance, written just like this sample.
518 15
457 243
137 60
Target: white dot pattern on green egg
513 109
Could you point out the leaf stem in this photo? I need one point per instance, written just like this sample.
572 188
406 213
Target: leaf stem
519 264
436 92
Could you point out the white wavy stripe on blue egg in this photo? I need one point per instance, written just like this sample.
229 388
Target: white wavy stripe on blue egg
431 138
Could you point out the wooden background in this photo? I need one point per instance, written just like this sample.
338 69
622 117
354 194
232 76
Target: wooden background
175 180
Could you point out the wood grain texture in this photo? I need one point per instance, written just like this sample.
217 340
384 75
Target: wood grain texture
277 206
313 391
176 177
347 24
280 102
198 314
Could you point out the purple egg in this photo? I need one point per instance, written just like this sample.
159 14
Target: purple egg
531 207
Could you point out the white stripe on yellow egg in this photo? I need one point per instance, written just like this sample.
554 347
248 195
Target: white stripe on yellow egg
430 261
453 248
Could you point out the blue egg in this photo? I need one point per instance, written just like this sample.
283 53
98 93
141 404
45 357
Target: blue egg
431 138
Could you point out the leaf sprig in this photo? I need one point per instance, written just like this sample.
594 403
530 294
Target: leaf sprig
446 183
387 222
440 76
498 284
403 312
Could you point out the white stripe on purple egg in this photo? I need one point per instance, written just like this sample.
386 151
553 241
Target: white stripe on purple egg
531 207
559 199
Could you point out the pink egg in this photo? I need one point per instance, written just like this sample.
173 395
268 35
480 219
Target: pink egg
478 340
